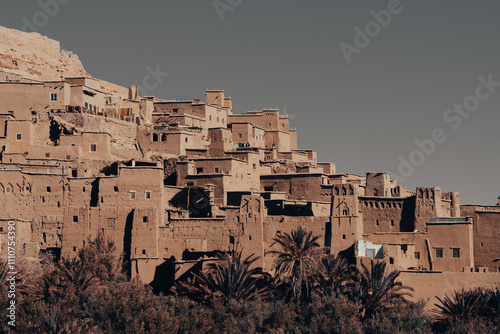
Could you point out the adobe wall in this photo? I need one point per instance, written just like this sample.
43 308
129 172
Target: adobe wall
20 136
428 285
23 98
195 235
215 117
387 214
406 249
431 202
486 231
106 205
220 142
172 143
116 128
447 237
293 139
297 186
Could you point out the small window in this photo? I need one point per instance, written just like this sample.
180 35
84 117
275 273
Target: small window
132 195
75 219
439 252
53 96
7 189
249 237
345 212
143 252
74 249
231 239
93 147
68 157
417 255
217 170
392 222
456 252
74 173
391 260
254 166
199 170
115 188
186 140
343 236
370 252
83 189
1 229
240 135
47 155
19 136
145 219
377 222
175 111
49 190
147 194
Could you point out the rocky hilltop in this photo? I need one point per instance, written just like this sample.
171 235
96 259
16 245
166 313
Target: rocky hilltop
33 57
36 57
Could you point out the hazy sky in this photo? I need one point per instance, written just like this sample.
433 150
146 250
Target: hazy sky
364 115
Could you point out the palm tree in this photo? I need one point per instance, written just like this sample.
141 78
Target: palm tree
336 275
229 278
68 278
298 261
376 291
462 306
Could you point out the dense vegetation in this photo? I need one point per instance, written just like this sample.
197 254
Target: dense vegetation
311 292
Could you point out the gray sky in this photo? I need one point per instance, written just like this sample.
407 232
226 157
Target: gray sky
363 115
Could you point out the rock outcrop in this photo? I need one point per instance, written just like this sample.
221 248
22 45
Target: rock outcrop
35 57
